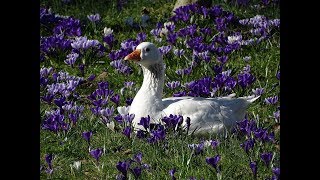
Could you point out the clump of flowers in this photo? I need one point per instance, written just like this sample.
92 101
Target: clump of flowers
133 165
49 158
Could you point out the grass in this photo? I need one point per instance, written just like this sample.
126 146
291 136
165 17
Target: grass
69 147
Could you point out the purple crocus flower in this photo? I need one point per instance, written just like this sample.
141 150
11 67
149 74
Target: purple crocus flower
49 158
136 172
276 172
217 69
213 161
145 122
91 77
68 26
128 84
115 55
183 32
258 91
157 135
165 49
275 22
246 127
53 121
110 40
214 143
222 59
220 23
276 115
173 84
103 85
178 52
123 167
266 157
43 81
94 17
191 30
265 2
107 113
138 157
171 172
50 45
49 171
253 167
118 118
195 42
145 166
172 121
74 117
198 148
245 79
64 126
127 131
247 145
96 153
129 45
71 59
129 101
141 134
181 14
271 100
172 38
205 56
119 66
278 75
156 32
115 99
170 26
99 102
81 68
121 177
45 72
60 102
263 135
128 117
96 110
83 43
47 98
185 71
141 36
206 31
87 135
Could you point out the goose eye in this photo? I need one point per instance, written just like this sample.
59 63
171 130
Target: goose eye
147 49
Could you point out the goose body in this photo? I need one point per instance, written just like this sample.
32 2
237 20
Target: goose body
206 114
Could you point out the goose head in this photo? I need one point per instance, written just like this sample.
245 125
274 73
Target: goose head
145 54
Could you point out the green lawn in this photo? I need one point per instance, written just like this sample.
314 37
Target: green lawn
69 146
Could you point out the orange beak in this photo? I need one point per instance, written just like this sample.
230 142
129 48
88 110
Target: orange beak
134 56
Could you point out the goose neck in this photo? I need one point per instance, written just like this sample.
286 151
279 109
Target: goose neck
153 80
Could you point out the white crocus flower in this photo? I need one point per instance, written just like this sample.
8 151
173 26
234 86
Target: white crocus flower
233 39
77 165
107 31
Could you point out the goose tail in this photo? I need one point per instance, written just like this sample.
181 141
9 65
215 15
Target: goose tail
251 98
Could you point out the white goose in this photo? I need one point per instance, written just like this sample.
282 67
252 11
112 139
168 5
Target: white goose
206 114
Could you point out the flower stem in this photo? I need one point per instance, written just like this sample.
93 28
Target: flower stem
219 176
